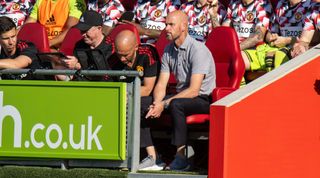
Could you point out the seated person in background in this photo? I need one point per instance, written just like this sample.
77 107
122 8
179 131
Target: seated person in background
192 64
310 35
152 16
14 54
203 15
286 26
58 16
250 19
110 10
17 10
92 51
130 56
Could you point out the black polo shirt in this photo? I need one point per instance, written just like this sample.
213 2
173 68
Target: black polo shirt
146 61
23 48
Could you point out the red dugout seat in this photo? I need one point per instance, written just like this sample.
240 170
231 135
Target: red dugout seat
37 34
70 40
161 43
224 46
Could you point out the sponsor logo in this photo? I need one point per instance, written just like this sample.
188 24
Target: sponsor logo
249 16
88 135
51 21
15 7
298 16
202 20
139 68
157 13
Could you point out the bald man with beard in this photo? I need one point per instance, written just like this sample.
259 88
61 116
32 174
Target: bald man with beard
129 55
192 64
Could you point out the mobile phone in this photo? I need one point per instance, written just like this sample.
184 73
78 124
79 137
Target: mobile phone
52 56
57 54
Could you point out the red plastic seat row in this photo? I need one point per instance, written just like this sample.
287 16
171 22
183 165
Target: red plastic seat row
74 35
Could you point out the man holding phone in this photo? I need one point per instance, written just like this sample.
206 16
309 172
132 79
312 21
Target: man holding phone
92 48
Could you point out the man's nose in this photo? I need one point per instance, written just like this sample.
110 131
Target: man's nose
11 40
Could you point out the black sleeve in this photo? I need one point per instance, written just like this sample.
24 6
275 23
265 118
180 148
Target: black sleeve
27 49
151 67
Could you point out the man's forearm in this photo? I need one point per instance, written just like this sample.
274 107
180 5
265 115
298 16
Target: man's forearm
159 93
187 93
152 33
254 40
6 64
144 91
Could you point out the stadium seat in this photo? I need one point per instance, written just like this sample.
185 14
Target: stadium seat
70 40
35 33
224 46
161 43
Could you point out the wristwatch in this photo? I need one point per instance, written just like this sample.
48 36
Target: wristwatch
165 104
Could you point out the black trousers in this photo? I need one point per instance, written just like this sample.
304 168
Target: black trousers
178 109
145 134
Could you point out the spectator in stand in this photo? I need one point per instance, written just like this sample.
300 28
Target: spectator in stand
14 54
192 64
58 16
17 10
250 19
110 10
151 16
131 56
203 16
90 25
310 35
286 26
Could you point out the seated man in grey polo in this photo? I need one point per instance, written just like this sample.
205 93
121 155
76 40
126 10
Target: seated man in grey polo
192 64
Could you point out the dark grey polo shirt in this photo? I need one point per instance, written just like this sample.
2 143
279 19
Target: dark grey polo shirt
192 57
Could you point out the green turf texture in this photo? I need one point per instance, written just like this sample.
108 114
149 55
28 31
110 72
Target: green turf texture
45 172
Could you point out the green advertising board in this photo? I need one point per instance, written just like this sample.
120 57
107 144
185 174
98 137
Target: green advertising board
69 120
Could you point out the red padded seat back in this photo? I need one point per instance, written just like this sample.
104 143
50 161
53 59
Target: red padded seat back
161 43
70 40
224 45
35 33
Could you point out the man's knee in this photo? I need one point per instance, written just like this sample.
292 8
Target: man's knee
175 104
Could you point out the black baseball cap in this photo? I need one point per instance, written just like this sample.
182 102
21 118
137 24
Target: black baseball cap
89 19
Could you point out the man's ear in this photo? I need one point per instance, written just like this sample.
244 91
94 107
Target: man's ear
100 27
136 47
184 27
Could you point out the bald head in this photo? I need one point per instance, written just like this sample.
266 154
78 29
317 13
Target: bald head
125 40
177 26
126 46
180 17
